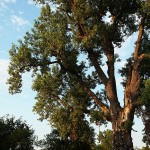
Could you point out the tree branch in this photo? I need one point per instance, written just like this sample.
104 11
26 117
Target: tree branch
138 42
111 84
101 105
136 79
99 70
132 86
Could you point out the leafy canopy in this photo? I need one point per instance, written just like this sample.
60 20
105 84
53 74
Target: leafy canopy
16 134
66 52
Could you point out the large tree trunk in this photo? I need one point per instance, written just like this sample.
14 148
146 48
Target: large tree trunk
122 127
122 140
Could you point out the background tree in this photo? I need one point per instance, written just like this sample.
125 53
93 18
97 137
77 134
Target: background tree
16 134
145 148
73 40
145 97
53 141
105 140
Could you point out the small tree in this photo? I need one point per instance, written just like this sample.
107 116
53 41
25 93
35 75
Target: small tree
15 134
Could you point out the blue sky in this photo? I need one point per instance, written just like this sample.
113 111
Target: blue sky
17 17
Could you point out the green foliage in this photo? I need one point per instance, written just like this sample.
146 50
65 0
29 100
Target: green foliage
64 51
15 134
105 140
53 141
145 98
55 37
128 125
145 93
145 148
64 111
145 49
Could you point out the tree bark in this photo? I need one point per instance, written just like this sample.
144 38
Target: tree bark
122 127
122 140
122 123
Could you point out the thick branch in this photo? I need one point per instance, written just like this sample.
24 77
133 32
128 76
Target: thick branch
132 88
111 84
91 55
102 106
138 42
128 81
99 70
135 80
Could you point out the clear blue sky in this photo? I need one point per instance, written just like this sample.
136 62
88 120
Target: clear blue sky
17 17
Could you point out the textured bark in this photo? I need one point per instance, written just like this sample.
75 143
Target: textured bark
122 126
122 140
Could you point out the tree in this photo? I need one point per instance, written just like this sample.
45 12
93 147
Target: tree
16 134
145 148
53 141
145 97
73 40
105 140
